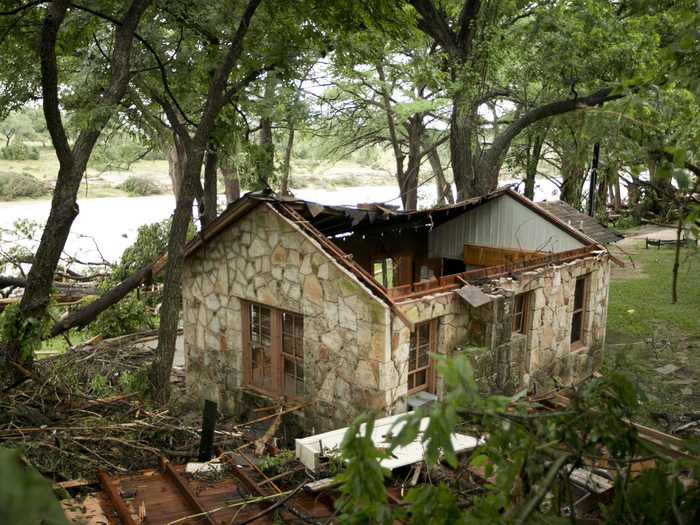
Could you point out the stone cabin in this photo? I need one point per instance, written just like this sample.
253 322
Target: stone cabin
343 307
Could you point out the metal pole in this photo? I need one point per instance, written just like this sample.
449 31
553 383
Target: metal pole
206 443
594 180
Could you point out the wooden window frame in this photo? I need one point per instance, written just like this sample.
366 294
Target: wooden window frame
581 311
523 326
429 368
277 387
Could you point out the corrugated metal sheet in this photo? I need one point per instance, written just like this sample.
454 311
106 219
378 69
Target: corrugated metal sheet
501 223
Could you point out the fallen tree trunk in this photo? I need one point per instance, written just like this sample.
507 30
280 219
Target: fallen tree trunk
82 317
71 289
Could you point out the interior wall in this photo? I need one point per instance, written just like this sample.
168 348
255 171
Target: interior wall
500 223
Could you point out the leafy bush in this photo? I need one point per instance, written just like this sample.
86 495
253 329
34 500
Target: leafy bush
20 186
19 151
125 317
140 186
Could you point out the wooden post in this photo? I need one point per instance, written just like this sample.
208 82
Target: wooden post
206 443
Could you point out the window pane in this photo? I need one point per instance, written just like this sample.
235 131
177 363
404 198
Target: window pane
423 333
421 378
579 293
576 327
423 357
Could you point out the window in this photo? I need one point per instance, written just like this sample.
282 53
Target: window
521 313
580 293
293 354
273 341
383 272
261 346
419 369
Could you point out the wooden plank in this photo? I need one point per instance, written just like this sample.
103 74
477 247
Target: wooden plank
117 501
479 255
185 490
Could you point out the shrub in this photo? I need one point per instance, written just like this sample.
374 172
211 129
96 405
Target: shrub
19 151
140 186
20 186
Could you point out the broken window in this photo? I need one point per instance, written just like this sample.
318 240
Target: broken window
580 294
383 272
521 313
274 340
419 362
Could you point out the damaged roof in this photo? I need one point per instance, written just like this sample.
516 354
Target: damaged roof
335 220
584 223
323 222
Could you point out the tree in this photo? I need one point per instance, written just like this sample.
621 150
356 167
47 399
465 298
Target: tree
106 93
475 40
232 64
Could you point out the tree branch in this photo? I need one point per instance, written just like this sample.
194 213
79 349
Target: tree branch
433 22
150 49
500 145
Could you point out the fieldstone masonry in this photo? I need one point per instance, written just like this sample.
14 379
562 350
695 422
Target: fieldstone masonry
355 349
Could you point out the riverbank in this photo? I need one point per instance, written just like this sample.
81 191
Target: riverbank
107 182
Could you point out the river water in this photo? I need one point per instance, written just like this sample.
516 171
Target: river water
106 226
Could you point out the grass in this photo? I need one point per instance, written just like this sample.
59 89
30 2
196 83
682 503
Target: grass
640 298
647 332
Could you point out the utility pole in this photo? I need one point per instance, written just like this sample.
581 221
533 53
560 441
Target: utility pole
594 180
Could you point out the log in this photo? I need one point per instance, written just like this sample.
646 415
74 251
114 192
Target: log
65 289
84 316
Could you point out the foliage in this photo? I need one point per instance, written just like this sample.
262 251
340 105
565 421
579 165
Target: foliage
363 497
140 186
125 317
25 496
117 155
135 382
20 186
131 314
29 332
151 241
530 455
275 464
19 151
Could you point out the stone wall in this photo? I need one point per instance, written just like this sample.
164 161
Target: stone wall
264 258
551 356
515 361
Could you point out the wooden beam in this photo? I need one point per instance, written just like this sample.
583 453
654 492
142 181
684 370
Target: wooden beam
185 490
478 255
116 499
